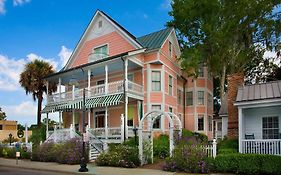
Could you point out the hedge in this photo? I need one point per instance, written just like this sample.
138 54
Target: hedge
246 164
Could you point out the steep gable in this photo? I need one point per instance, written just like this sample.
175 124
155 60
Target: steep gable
100 26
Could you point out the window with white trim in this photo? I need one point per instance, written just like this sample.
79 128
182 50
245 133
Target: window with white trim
210 123
189 98
210 100
170 85
157 122
179 96
270 127
156 81
101 51
201 72
170 49
200 97
200 123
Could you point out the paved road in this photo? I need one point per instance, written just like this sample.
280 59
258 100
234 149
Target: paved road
19 171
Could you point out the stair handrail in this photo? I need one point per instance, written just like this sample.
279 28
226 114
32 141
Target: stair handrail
93 141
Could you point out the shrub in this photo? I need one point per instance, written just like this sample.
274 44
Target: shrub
189 137
228 145
227 151
9 152
161 148
1 151
38 134
247 164
120 155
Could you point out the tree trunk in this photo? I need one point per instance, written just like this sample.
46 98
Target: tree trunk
222 81
39 107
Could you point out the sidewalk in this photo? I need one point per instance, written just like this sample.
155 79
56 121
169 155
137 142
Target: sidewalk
73 169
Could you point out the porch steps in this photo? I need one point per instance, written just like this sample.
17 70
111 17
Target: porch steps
94 153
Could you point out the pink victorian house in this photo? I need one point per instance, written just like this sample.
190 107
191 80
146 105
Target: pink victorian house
126 77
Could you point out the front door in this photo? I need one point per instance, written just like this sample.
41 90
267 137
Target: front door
99 119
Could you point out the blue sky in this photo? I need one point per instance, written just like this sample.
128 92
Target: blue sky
49 30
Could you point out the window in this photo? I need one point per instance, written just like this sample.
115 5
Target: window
200 122
170 109
210 123
131 114
170 85
99 119
200 97
101 51
100 89
170 49
100 24
1 127
179 97
156 81
210 99
201 72
157 122
131 77
189 98
270 128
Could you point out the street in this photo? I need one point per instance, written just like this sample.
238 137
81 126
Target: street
21 171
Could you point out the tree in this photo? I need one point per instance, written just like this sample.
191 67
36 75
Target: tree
32 80
2 115
226 35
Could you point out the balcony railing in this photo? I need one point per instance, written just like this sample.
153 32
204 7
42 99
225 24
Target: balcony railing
98 90
262 146
96 56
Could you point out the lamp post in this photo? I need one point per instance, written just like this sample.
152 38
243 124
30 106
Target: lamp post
135 129
83 162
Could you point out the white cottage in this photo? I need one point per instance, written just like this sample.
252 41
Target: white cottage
259 118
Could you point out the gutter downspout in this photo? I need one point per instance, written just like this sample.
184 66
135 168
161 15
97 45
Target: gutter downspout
184 84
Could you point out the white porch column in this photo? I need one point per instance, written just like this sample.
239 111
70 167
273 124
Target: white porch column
59 89
89 94
126 97
106 123
106 78
26 133
240 128
122 127
89 118
47 126
73 111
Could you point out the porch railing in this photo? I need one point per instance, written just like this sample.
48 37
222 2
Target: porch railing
262 146
61 135
98 90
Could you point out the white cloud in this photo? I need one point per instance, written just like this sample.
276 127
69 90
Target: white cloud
64 55
20 2
166 5
25 112
2 7
33 56
9 73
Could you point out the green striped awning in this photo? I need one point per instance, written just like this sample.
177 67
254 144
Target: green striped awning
109 100
49 108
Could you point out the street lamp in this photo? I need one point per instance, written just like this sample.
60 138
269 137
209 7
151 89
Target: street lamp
83 162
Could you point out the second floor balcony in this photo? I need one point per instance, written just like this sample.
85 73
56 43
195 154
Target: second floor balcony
96 91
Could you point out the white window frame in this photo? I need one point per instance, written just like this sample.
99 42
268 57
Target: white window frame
200 116
200 101
170 85
156 81
270 128
159 119
186 98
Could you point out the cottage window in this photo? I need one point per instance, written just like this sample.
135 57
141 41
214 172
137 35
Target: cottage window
170 85
200 97
270 128
189 98
179 97
156 81
200 122
201 72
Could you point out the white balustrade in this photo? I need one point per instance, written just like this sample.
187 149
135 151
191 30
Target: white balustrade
262 146
115 87
135 88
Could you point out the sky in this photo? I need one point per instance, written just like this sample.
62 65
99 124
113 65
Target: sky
49 30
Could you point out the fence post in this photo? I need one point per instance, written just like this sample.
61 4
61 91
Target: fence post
122 128
214 148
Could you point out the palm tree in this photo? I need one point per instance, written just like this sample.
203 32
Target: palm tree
32 80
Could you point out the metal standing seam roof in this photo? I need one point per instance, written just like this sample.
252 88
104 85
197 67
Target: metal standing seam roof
269 90
154 40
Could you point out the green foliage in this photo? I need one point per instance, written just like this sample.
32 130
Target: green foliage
2 114
13 139
69 152
189 137
38 134
132 141
226 146
119 155
247 164
161 148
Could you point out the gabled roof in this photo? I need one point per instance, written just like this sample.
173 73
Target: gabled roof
154 40
265 91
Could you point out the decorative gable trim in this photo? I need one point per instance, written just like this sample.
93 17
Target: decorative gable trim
129 37
176 43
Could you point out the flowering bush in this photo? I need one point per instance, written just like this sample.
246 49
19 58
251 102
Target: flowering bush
69 152
188 155
119 156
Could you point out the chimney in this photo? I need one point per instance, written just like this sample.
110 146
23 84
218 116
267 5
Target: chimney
233 82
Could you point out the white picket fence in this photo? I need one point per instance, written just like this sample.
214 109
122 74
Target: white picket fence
211 150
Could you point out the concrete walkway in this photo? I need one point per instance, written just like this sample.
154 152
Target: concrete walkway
73 169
